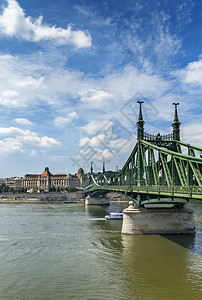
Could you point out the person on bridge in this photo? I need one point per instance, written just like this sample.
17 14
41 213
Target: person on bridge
158 137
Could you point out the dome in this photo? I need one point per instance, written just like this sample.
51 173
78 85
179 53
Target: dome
80 170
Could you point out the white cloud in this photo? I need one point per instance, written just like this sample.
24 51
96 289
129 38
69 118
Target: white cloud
104 155
62 121
25 82
192 74
166 45
94 127
95 141
10 146
27 137
23 121
9 94
22 83
46 141
29 82
9 98
105 147
14 23
19 88
33 153
105 141
96 98
129 81
192 133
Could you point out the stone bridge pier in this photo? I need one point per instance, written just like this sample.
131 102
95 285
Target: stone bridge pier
99 200
158 220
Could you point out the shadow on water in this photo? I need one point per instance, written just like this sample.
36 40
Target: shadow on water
191 242
96 211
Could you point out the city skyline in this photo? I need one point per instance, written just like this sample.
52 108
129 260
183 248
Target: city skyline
72 72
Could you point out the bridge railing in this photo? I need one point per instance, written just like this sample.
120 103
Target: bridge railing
173 189
151 137
161 189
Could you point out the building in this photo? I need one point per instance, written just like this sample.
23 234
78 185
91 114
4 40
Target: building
84 179
46 180
14 182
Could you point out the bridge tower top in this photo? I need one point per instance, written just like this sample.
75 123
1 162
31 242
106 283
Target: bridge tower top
103 169
176 124
91 168
140 122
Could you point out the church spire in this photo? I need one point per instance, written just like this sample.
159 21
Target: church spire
176 125
140 122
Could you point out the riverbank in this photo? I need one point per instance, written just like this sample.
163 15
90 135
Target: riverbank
41 197
53 197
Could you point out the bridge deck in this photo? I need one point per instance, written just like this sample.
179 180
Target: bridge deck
159 191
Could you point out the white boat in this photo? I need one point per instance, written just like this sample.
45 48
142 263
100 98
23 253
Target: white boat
114 216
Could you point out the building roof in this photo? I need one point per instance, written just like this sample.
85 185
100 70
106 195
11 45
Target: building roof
30 176
71 176
46 173
74 176
59 176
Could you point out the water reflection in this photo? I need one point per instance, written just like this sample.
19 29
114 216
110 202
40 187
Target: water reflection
163 267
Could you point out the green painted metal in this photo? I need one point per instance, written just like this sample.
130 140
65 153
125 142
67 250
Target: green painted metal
196 171
140 122
180 170
176 125
166 169
157 170
154 168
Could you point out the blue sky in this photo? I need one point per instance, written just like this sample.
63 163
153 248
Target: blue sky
72 71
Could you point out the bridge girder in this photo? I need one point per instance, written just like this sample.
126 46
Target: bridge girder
155 177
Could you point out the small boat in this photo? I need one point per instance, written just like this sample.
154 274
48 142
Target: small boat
114 216
70 201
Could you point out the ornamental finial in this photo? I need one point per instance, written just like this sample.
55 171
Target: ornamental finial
91 168
176 124
140 123
103 168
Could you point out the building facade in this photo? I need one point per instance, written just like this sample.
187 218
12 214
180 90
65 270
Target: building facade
47 181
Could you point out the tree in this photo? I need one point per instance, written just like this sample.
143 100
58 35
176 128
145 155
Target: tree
4 188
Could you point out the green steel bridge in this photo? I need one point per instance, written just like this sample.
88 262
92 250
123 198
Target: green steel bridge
160 169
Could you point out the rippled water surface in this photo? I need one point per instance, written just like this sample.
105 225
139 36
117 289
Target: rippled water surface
69 251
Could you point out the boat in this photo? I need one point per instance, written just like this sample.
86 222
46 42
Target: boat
69 201
114 216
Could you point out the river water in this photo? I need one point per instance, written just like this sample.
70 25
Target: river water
69 251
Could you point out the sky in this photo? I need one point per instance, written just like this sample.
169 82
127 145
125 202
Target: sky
71 73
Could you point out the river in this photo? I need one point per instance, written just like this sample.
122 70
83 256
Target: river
69 251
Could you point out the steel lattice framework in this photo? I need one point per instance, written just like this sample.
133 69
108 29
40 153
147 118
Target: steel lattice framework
160 169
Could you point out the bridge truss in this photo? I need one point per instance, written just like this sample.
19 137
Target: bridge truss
160 169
